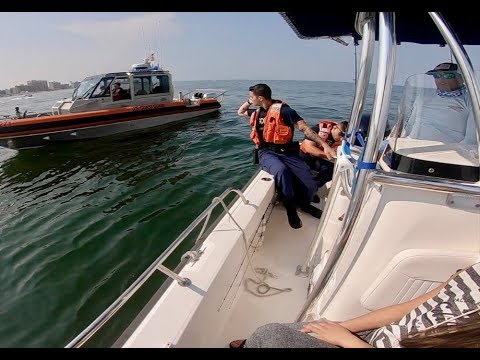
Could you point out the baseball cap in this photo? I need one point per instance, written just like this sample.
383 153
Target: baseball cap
443 67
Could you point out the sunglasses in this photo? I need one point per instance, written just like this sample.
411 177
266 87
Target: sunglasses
444 76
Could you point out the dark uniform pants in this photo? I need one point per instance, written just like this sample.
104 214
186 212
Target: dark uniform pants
324 168
293 178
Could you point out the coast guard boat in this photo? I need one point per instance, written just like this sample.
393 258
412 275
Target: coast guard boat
388 233
95 109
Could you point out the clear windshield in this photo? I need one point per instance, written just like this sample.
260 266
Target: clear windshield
435 121
434 110
86 87
102 89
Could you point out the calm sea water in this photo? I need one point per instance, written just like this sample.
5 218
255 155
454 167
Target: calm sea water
80 221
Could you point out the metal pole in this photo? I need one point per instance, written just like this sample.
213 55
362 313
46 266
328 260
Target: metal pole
386 70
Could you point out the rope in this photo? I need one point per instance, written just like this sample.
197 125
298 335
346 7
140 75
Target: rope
262 232
262 286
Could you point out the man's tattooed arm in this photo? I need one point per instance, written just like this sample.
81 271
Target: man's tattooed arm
312 135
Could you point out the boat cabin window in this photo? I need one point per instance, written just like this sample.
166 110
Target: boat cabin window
103 88
86 87
435 134
142 85
160 84
120 89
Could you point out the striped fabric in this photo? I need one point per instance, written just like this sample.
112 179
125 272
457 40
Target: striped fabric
460 296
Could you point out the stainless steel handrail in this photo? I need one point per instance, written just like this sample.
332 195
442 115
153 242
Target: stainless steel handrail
220 91
366 60
386 70
414 181
424 182
88 332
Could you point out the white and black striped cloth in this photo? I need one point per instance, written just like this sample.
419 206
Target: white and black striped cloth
460 296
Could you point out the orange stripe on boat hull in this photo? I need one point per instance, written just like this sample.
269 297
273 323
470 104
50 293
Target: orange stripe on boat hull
101 114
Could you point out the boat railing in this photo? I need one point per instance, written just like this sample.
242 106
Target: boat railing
26 115
87 333
208 93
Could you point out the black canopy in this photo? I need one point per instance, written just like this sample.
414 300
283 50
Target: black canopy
410 26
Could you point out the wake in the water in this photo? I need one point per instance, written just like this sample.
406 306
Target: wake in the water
6 154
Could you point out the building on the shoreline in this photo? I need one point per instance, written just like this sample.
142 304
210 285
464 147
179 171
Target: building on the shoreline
55 85
38 85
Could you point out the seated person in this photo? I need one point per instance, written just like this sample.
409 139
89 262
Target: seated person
118 93
18 114
441 115
141 92
447 316
333 133
104 91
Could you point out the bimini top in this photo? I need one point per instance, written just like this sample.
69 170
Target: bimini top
415 27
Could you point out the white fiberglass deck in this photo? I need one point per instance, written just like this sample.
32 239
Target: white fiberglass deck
217 307
282 250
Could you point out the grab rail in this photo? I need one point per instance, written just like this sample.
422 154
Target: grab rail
219 97
88 332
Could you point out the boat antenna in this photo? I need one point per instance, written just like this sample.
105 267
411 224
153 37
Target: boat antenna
159 45
144 41
159 60
355 44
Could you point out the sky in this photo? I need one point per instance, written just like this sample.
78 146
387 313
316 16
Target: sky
68 47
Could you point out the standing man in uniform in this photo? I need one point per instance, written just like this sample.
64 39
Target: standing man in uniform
273 124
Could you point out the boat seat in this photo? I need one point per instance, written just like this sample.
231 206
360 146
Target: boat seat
414 272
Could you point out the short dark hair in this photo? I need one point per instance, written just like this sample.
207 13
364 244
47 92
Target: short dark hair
261 90
343 125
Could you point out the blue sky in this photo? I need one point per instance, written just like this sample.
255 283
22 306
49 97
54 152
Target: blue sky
193 46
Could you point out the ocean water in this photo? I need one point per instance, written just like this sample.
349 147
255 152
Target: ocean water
80 221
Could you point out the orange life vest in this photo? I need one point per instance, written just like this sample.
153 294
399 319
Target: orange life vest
325 130
275 131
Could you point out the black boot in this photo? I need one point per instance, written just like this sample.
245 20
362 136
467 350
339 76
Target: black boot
316 199
292 215
312 210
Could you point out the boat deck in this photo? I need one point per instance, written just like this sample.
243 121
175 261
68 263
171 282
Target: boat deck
283 248
223 291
